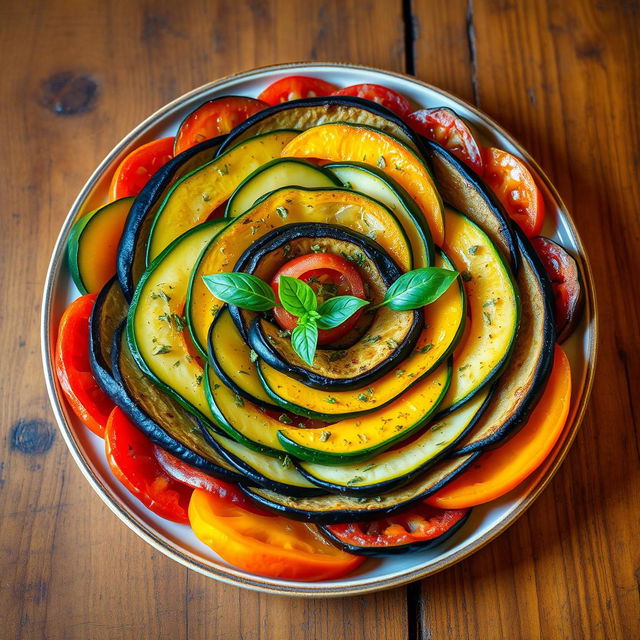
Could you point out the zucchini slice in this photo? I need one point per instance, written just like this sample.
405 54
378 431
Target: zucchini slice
398 466
465 191
309 112
288 206
198 194
282 172
493 309
357 439
443 327
520 386
232 360
336 508
157 332
93 245
341 142
132 252
109 310
160 417
240 419
276 474
374 182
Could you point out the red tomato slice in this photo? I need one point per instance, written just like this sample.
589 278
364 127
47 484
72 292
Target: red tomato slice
499 470
131 458
88 401
388 98
329 275
197 479
215 118
419 524
134 171
443 126
565 281
265 544
295 88
516 189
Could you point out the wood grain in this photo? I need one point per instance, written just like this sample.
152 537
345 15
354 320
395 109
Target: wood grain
557 75
561 76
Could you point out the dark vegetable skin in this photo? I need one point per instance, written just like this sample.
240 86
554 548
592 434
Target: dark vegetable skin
566 283
464 190
127 394
109 310
334 509
510 389
324 109
393 550
131 260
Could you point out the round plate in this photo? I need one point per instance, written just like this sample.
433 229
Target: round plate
178 541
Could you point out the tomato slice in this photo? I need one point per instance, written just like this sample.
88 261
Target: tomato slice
329 275
267 545
420 526
388 98
197 479
132 460
516 189
295 88
88 401
215 118
134 171
498 471
565 282
443 126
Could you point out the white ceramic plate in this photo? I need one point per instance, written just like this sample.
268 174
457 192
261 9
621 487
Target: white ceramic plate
178 541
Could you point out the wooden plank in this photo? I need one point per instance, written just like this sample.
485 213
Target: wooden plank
76 77
560 77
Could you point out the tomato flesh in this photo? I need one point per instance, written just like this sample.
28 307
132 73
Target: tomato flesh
516 189
134 171
88 401
266 544
329 275
131 457
421 523
388 98
295 88
565 282
443 126
215 118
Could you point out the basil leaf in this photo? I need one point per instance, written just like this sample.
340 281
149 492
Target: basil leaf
241 289
417 288
297 297
335 311
304 340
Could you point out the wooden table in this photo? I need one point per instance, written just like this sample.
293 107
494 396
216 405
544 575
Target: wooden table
561 76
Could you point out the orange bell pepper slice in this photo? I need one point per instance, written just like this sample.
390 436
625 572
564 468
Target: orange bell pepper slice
498 471
266 544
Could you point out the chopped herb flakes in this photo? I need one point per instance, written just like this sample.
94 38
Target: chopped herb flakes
160 294
400 373
490 303
487 317
371 339
253 356
285 419
426 348
239 402
357 257
369 467
286 462
382 163
331 400
283 212
473 249
324 436
198 380
463 367
337 355
316 248
466 276
224 170
160 349
363 397
355 480
391 343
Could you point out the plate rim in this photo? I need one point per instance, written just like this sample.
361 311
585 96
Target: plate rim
230 575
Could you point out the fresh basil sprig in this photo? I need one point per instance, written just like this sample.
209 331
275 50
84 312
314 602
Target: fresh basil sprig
411 290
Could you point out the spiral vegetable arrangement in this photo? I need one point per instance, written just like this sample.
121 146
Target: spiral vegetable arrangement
324 309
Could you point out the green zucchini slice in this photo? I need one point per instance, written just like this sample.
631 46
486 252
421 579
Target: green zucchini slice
493 304
520 386
398 466
157 332
160 417
198 194
336 508
374 182
357 439
443 327
93 245
282 172
289 205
